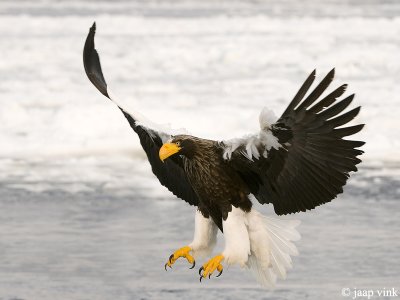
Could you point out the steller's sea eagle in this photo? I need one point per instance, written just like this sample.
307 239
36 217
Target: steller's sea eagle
296 163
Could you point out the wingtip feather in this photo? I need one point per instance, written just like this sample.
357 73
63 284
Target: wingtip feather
91 62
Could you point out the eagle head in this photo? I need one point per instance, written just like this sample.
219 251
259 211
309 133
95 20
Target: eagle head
178 145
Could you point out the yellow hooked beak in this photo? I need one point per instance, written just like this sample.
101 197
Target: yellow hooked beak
167 150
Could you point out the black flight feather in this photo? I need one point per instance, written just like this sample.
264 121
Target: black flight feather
170 173
313 163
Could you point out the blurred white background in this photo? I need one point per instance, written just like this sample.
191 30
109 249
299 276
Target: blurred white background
204 65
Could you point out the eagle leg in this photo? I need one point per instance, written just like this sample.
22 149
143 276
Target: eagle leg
182 252
209 267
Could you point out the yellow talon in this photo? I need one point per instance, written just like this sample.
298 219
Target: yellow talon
182 252
212 265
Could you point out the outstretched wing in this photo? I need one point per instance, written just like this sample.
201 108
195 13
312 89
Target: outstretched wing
170 173
312 161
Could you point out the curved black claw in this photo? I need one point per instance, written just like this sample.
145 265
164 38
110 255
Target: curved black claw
201 277
194 264
201 269
220 273
170 258
209 276
165 267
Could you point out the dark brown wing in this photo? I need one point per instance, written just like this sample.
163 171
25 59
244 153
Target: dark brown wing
170 173
314 162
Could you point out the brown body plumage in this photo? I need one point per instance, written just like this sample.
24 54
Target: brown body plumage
217 185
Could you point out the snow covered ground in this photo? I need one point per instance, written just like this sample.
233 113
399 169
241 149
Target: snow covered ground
81 215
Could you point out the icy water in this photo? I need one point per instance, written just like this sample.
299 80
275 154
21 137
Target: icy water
82 216
93 230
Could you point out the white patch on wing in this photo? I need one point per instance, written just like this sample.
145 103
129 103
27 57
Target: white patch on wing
164 131
237 242
252 143
205 236
266 118
268 140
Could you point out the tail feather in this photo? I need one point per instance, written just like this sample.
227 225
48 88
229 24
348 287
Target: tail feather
266 277
278 266
284 228
281 242
280 256
271 245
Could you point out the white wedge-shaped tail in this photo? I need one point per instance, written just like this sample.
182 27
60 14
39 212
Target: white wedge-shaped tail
271 247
